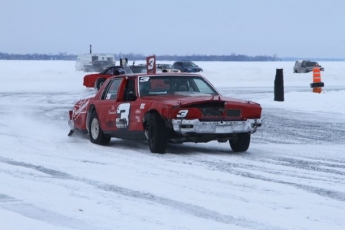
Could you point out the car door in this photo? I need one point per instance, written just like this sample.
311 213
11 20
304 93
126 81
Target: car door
119 107
131 103
303 68
107 105
178 65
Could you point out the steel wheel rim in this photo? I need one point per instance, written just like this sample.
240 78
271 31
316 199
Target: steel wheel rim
94 128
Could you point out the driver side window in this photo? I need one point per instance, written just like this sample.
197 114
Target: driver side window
111 91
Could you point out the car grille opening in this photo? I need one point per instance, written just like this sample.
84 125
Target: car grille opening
212 112
187 126
217 110
236 113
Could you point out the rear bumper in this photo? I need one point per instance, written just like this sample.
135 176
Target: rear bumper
183 126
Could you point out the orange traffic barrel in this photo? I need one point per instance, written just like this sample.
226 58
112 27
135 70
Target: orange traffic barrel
317 83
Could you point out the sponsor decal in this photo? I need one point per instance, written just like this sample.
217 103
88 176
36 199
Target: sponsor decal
137 118
142 105
137 111
110 124
144 79
82 108
112 110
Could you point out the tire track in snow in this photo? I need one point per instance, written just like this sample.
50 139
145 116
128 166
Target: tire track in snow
315 166
31 211
191 209
291 127
230 168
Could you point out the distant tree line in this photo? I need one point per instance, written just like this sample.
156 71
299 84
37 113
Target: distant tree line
134 57
131 56
232 57
35 56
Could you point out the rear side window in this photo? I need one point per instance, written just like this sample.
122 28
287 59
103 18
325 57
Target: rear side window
110 71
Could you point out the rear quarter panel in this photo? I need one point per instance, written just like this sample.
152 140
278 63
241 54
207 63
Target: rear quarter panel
79 113
90 79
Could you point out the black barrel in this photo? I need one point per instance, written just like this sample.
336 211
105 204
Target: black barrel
279 86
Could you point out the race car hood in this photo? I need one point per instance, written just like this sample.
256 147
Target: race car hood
185 99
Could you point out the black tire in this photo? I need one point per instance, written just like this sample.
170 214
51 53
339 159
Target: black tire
95 132
99 82
317 84
157 134
241 142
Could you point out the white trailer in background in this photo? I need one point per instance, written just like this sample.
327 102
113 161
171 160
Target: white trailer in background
94 62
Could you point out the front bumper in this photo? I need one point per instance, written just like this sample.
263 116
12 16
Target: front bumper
71 124
183 126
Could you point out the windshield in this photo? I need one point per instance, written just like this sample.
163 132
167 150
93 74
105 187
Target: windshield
169 85
311 63
189 64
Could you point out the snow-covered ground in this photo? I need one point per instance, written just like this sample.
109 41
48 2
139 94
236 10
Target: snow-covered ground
292 176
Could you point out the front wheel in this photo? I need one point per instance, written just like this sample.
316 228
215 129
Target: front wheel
96 133
157 134
241 142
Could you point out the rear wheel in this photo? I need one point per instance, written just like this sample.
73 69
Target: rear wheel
157 134
241 142
99 82
96 133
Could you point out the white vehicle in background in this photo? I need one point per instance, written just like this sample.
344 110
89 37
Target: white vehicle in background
306 66
95 62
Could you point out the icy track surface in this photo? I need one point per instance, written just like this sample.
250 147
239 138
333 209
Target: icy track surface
292 176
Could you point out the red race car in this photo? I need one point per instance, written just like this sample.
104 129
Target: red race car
97 79
162 108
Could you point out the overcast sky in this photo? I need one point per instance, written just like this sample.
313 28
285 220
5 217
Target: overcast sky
287 28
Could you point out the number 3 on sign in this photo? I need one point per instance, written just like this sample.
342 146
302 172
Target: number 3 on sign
151 63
